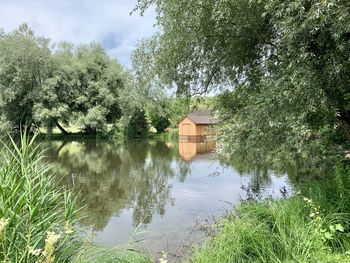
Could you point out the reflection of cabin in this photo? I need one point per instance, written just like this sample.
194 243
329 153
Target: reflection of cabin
190 150
196 126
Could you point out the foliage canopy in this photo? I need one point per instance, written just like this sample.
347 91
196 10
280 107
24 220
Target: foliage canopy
45 86
287 61
25 64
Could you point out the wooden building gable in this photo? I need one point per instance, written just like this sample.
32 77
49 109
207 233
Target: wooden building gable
196 123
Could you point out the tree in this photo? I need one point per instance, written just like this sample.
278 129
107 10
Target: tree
149 92
160 122
214 43
288 62
137 126
25 63
53 106
72 85
84 89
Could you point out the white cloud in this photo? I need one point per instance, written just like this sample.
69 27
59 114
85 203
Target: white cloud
105 21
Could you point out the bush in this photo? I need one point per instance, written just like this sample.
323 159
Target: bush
137 126
161 123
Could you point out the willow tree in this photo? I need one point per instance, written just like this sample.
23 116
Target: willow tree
287 63
84 89
49 87
25 63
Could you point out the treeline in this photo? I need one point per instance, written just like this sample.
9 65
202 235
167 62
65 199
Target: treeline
44 85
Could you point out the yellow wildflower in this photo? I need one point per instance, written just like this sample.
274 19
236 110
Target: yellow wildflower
163 259
68 229
49 250
3 223
35 252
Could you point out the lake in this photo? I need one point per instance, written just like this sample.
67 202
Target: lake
170 190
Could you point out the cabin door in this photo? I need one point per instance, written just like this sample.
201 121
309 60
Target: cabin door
186 129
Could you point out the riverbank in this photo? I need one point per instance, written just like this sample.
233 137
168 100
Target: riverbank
312 226
75 134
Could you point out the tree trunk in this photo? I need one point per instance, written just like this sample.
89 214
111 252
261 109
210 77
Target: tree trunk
61 128
90 130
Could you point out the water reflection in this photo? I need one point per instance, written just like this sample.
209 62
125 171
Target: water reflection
165 186
190 150
108 178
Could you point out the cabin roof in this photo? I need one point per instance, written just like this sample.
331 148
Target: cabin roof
200 117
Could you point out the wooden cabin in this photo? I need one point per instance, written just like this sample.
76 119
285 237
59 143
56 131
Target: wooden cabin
196 126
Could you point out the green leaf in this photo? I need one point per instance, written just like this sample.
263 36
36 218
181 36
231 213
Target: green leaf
339 228
328 235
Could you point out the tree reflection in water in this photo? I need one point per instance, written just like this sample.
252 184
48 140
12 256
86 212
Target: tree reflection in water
119 186
107 177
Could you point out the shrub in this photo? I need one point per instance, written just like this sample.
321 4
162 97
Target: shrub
161 123
137 126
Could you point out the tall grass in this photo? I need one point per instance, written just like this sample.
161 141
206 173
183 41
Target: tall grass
311 227
37 219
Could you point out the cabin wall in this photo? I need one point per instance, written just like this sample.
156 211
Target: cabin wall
201 129
187 127
205 129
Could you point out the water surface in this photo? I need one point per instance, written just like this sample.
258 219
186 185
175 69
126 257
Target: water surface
167 188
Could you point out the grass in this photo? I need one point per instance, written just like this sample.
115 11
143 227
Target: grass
76 134
170 134
99 254
37 219
311 227
34 213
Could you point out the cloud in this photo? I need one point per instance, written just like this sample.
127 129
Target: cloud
105 21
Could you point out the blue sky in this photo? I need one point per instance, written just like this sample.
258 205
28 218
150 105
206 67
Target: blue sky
82 21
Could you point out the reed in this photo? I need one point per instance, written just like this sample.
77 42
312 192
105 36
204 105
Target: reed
37 217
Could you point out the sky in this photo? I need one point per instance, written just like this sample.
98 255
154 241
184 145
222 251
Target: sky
82 21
